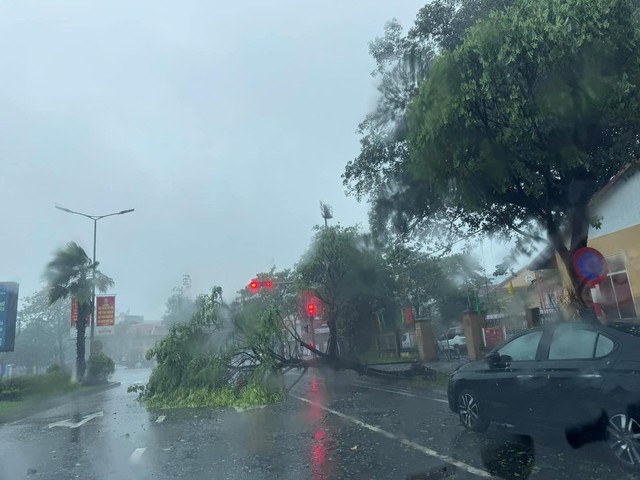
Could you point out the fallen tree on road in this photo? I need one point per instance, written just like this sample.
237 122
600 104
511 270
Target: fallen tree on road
216 361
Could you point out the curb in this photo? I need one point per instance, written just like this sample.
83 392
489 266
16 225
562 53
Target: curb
54 402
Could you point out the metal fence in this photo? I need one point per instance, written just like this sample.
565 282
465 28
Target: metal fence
387 342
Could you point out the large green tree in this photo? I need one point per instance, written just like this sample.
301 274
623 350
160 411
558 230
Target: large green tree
72 274
525 109
44 329
522 124
349 276
42 332
400 202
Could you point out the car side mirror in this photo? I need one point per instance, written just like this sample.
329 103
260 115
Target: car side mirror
492 358
505 359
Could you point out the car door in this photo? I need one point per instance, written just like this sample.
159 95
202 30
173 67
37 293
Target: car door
508 387
570 375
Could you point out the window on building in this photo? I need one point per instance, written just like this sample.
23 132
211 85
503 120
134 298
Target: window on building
616 298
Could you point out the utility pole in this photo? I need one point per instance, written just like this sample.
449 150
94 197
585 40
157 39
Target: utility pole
311 308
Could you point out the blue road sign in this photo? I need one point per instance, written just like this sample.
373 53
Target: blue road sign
8 315
590 265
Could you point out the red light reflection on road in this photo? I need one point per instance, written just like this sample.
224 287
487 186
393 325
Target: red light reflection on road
319 453
322 464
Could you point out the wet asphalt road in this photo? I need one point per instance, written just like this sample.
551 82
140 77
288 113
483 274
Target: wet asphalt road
332 426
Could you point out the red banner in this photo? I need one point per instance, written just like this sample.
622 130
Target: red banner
74 312
74 315
408 316
105 311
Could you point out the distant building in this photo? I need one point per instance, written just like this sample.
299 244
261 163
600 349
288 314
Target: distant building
141 337
132 338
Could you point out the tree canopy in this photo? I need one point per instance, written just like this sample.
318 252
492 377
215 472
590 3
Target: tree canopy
530 116
344 271
399 202
525 110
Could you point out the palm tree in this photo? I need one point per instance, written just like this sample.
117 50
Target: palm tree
71 273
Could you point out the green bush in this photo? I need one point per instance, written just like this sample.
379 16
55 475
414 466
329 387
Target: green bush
99 368
35 385
54 368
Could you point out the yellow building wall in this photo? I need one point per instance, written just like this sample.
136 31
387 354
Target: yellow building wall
524 293
627 243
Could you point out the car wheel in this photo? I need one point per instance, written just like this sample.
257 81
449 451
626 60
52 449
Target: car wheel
623 439
471 412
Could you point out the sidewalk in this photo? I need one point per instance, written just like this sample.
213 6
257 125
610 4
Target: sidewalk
447 366
36 405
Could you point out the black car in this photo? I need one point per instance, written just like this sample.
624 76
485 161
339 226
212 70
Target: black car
583 378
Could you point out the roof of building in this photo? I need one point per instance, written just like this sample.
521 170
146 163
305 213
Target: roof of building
149 329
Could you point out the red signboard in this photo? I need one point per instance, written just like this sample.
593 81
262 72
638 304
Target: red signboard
105 311
493 336
408 316
74 312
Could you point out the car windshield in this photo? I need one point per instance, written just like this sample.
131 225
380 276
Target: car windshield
320 240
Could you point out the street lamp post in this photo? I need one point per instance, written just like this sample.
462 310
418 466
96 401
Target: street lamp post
95 219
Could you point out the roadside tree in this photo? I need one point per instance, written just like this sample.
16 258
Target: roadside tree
72 274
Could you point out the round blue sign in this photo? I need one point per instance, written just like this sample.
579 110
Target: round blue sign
590 265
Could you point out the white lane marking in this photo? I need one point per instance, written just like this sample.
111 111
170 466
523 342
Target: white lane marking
70 424
398 392
240 409
161 418
416 446
136 455
437 400
406 394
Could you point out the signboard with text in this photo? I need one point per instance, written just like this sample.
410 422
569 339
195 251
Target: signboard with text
8 315
105 314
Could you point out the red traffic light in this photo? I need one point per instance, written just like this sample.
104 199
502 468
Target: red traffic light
254 285
311 308
268 283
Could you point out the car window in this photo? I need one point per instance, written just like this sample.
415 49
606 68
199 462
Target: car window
571 343
522 348
604 346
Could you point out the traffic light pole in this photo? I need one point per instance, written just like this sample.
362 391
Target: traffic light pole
313 332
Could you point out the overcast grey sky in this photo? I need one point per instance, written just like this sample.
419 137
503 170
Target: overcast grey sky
222 123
